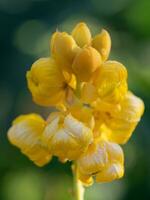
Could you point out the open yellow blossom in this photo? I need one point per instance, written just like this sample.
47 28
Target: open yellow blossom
122 122
109 85
111 81
66 137
25 133
103 160
47 83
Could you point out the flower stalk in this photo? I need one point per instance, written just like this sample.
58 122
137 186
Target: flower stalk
78 187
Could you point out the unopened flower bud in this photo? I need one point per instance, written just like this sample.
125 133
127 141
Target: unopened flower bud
86 62
63 49
81 34
102 42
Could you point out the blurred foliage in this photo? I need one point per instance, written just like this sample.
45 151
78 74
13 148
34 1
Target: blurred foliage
26 27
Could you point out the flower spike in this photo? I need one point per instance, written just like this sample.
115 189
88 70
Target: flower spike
94 110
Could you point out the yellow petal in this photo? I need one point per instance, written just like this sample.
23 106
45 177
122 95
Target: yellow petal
46 82
83 114
112 172
86 62
63 49
81 34
115 167
114 152
103 159
102 42
111 82
25 133
88 93
66 137
94 159
123 122
85 179
104 106
72 81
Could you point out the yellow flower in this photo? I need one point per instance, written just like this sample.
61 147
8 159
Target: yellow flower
63 50
122 122
78 52
82 35
102 42
66 137
111 81
109 85
104 160
47 83
25 133
96 112
86 63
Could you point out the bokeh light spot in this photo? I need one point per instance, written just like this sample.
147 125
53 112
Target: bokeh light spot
32 38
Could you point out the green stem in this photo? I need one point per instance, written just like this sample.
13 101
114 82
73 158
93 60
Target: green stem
78 187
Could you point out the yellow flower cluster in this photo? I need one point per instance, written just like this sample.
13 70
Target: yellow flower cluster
96 112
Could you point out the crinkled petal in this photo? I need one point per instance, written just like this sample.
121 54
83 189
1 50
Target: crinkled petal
111 82
115 167
123 122
81 34
103 159
67 137
112 172
46 82
102 42
25 133
94 160
104 106
114 152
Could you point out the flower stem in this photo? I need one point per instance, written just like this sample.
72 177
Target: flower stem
78 187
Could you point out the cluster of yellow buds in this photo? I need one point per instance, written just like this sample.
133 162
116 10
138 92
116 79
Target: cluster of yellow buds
95 112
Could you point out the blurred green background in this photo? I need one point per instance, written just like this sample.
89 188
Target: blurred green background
25 29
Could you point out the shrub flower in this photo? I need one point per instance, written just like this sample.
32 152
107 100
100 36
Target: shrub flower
96 112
